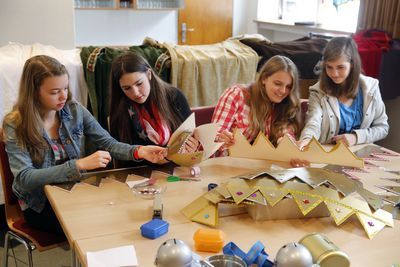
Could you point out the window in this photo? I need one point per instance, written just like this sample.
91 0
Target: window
340 15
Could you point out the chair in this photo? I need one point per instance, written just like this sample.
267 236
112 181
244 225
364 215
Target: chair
203 114
303 111
19 230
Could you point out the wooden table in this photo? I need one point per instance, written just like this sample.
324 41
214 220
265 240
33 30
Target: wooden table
96 218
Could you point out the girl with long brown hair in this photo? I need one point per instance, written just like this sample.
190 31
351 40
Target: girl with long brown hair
144 109
344 105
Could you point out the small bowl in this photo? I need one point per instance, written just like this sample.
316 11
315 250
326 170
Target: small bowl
148 192
225 261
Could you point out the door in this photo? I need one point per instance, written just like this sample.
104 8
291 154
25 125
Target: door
205 21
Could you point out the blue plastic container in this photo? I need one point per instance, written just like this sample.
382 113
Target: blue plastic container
154 228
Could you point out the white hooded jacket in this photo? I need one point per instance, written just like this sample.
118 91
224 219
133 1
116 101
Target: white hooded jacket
323 115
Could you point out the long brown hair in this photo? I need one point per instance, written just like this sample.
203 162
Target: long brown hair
26 114
286 113
159 95
337 47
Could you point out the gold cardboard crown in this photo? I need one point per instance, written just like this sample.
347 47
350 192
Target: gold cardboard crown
286 150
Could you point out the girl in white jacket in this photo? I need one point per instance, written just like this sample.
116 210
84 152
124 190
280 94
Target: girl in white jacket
344 105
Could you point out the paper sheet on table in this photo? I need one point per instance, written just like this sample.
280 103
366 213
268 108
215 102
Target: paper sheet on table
113 257
131 184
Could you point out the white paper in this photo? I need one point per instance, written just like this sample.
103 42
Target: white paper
124 256
131 184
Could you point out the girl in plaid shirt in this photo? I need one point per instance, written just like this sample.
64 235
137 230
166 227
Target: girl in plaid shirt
270 105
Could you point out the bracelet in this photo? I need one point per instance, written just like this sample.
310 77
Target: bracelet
136 153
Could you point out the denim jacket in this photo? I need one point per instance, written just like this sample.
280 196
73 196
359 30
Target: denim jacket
77 125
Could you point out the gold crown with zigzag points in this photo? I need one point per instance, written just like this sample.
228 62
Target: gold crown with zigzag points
286 150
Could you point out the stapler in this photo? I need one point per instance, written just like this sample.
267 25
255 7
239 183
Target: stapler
157 207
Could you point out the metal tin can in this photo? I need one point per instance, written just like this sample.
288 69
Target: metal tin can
324 252
225 261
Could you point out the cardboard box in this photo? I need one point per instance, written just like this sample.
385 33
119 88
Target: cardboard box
284 209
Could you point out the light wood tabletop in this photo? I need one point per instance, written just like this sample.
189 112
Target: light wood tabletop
96 218
88 211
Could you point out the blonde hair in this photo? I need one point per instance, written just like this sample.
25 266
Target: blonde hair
25 115
286 112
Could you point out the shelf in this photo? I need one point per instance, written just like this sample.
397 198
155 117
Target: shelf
128 4
159 4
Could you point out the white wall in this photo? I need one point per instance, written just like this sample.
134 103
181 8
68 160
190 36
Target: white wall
279 36
48 22
124 27
244 12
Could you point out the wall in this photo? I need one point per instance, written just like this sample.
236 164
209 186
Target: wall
278 35
244 12
124 27
45 21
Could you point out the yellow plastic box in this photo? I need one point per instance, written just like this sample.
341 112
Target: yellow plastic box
208 240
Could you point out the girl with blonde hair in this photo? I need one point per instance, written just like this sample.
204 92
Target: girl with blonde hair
270 105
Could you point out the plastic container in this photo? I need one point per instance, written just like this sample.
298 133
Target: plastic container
154 228
208 240
324 252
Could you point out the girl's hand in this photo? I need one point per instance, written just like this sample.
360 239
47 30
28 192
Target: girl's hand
98 159
191 144
154 154
299 163
226 137
347 139
302 143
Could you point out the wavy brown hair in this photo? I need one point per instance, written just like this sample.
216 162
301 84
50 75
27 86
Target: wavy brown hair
337 47
286 113
26 114
159 95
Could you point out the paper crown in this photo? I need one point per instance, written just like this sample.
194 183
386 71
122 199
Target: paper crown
286 150
206 135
